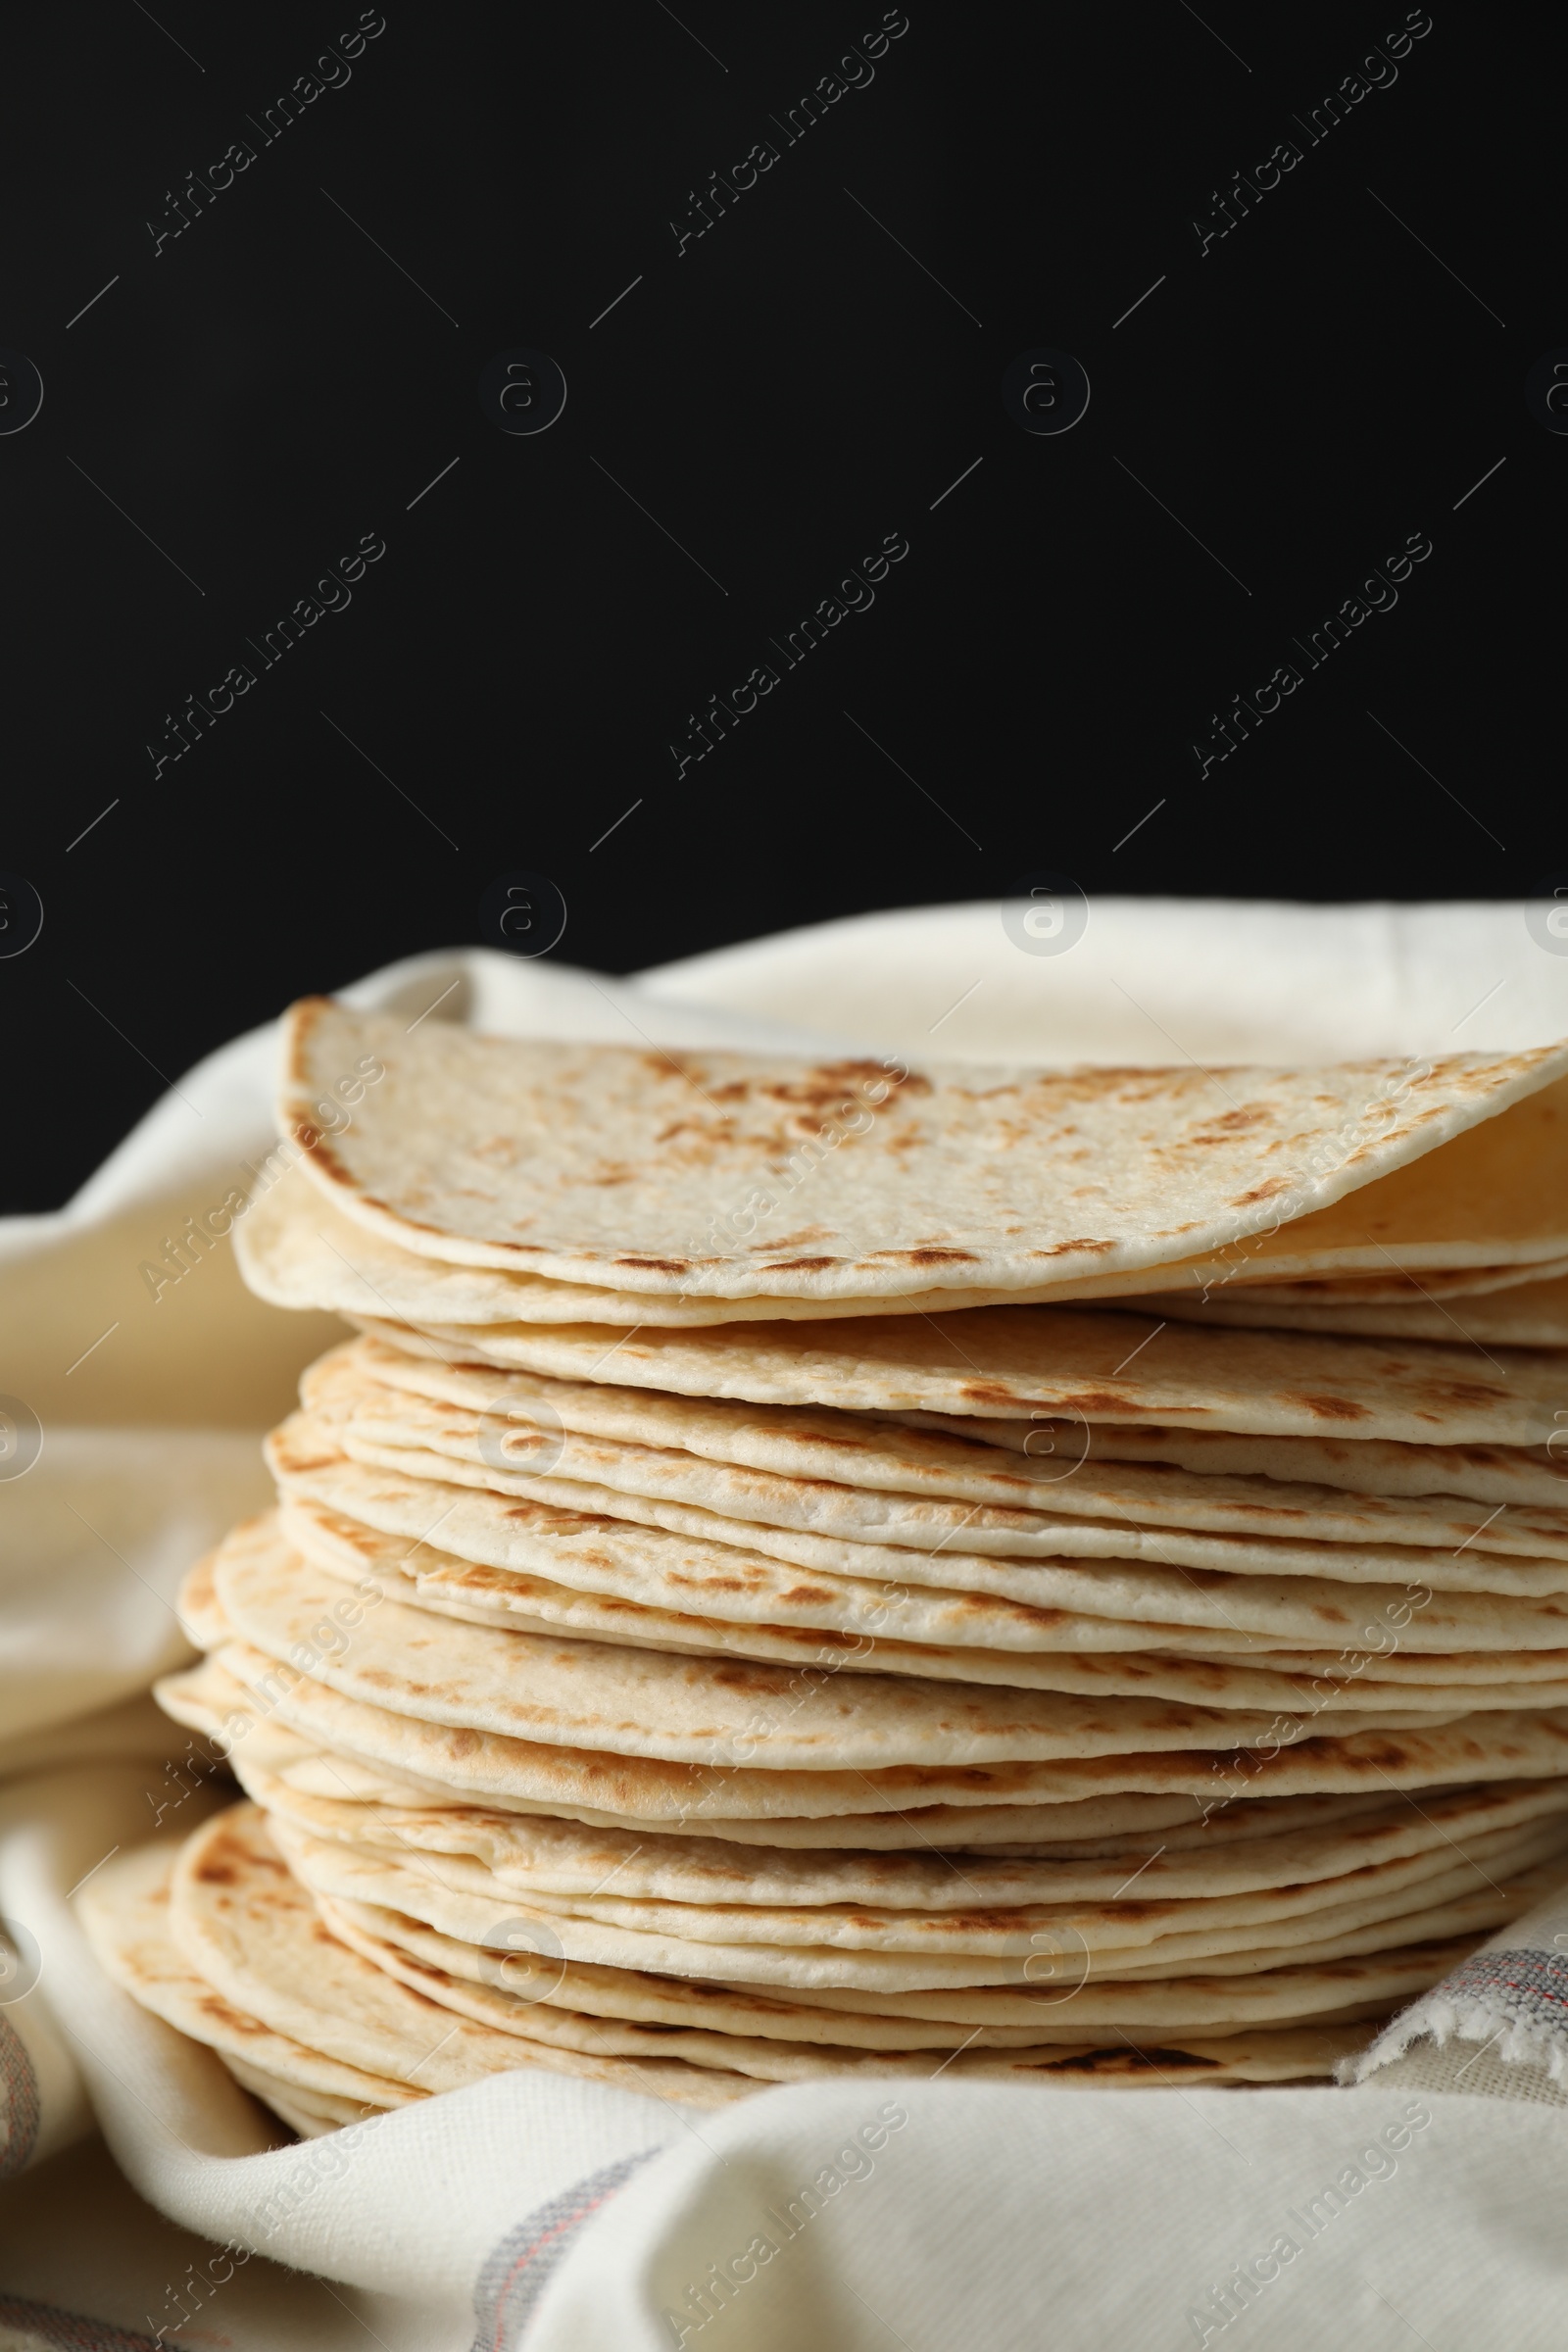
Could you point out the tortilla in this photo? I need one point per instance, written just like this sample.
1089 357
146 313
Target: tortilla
730 1620
777 2060
875 1480
1110 1934
298 1249
660 1704
1128 1667
1512 1474
302 1456
1040 1605
200 1612
1388 1289
1534 1315
625 1167
950 1806
1066 1603
1050 1950
1092 1365
998 2017
209 1699
256 1937
124 1909
621 1588
565 1863
571 1509
310 2113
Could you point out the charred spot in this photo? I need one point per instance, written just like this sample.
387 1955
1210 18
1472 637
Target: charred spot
985 1605
1327 1408
216 1874
213 2006
1232 1122
1135 2061
1065 1248
824 1087
656 1265
311 1139
698 1127
1097 1401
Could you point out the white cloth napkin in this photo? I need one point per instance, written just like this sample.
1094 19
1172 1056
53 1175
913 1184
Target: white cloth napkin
925 2213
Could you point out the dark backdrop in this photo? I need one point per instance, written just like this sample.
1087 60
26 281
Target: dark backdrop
750 415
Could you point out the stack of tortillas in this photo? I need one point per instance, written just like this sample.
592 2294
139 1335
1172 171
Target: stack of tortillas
724 1624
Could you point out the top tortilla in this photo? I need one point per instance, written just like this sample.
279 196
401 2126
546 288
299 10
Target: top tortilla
733 1175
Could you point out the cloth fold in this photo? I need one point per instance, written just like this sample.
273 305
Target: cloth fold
1497 2024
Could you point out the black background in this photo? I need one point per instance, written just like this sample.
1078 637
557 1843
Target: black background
796 384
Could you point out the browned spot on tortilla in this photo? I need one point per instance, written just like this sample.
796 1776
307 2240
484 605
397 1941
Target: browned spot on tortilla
1129 2062
212 2005
1231 1122
1327 1408
1097 1401
1064 1249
